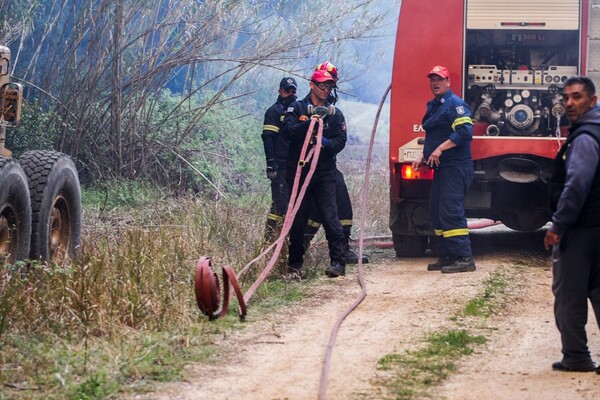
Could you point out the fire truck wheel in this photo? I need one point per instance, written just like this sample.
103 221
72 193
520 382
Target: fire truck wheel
55 205
15 212
409 245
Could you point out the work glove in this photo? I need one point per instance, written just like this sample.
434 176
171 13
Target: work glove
271 169
326 142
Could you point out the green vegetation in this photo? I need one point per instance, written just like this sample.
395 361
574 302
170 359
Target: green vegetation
483 305
413 374
422 368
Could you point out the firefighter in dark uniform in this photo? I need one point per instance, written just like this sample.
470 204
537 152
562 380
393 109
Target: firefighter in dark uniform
447 149
276 152
322 189
344 205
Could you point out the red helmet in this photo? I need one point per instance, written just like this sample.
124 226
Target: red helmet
323 76
329 67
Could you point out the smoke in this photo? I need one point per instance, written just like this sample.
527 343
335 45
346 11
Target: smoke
366 69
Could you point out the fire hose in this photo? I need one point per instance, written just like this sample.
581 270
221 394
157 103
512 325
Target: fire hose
206 281
363 293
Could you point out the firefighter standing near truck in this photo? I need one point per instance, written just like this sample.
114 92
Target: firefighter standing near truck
448 134
574 235
276 152
322 185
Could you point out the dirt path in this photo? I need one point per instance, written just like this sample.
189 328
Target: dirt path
280 356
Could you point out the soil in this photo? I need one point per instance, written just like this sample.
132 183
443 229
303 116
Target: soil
280 355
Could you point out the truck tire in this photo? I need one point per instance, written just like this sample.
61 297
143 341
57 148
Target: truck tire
409 245
15 212
56 210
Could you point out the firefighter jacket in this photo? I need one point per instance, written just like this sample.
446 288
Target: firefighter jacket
276 146
575 182
296 123
448 118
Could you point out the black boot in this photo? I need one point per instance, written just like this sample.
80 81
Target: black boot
441 262
352 257
462 264
335 269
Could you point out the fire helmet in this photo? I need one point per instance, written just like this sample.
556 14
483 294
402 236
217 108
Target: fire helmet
329 67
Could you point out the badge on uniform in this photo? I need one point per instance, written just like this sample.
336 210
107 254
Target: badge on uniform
460 110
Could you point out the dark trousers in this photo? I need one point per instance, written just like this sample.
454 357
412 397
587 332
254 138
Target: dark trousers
447 209
575 279
280 196
344 209
321 193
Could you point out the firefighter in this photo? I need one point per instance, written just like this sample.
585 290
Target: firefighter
344 204
322 188
447 149
276 151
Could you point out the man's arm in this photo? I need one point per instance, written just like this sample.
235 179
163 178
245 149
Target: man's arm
269 136
581 163
462 124
337 140
295 123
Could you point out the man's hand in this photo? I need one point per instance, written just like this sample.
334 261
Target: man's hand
271 169
417 163
434 158
325 142
550 239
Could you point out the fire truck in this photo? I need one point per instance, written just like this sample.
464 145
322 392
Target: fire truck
40 195
508 60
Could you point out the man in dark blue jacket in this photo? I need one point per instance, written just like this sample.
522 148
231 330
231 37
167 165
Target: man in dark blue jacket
447 149
276 152
574 235
322 185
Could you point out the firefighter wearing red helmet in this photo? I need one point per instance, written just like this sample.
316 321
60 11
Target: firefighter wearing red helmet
344 205
321 190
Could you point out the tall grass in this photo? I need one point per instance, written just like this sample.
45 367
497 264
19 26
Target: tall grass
126 309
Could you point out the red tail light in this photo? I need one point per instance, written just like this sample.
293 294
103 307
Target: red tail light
407 172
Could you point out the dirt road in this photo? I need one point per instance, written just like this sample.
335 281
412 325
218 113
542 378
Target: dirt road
280 356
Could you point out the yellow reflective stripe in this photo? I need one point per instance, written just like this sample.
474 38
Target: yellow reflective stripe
346 222
460 121
274 217
271 128
456 232
314 224
438 232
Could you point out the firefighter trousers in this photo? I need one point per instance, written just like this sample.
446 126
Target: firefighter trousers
280 196
344 208
447 209
321 192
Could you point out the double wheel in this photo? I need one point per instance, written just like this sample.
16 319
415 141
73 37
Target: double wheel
40 207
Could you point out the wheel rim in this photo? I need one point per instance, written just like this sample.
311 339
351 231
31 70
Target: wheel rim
60 230
9 235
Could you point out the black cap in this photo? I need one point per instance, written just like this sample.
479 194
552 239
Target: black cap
287 83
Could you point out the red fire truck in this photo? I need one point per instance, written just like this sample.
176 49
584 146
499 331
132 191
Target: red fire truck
508 60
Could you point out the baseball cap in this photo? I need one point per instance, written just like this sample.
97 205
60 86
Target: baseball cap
439 70
287 83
